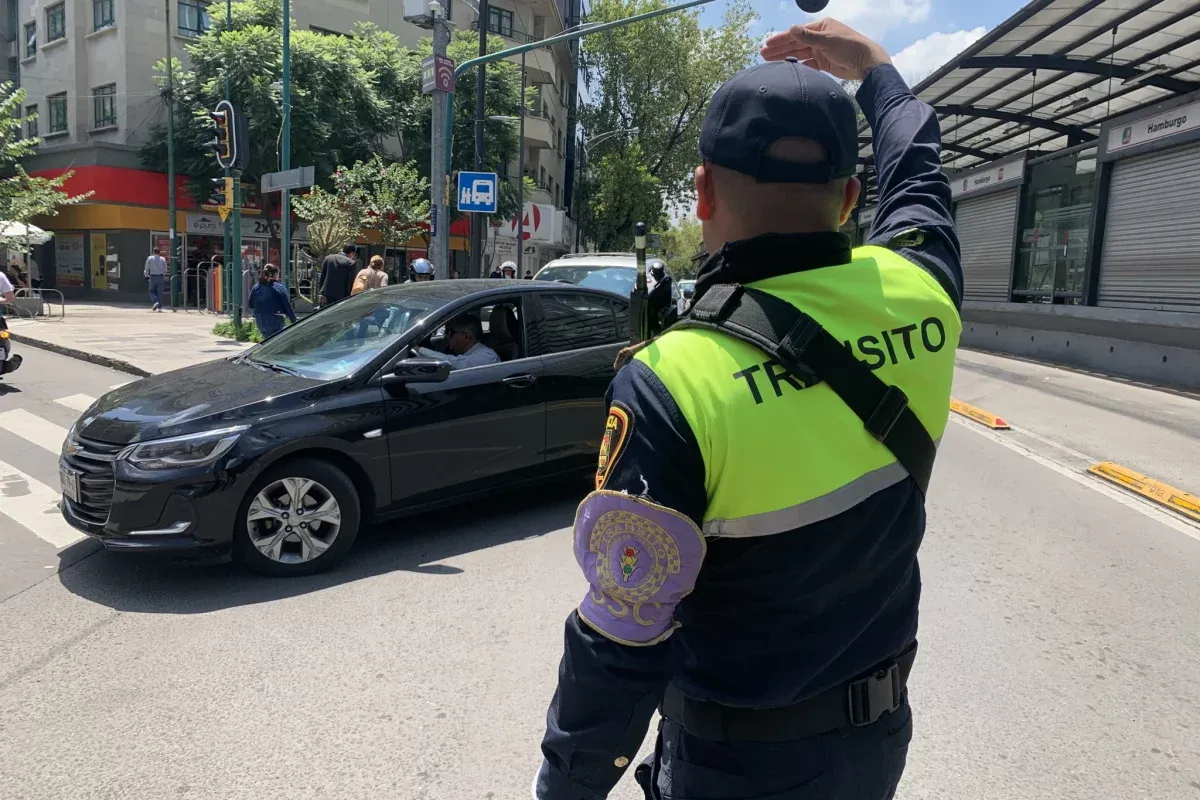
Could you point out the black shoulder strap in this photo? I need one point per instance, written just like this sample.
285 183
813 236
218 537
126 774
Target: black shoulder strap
804 348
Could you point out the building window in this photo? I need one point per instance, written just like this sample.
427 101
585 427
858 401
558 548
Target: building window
58 112
11 21
448 7
30 39
1056 214
539 27
31 128
104 106
193 18
500 21
102 14
56 22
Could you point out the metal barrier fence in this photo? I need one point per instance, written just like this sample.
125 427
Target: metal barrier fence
195 278
32 303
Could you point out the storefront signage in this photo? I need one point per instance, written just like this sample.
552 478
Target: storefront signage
1161 125
69 267
1010 172
211 225
538 224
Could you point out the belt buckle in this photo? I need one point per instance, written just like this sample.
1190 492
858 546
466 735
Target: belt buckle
871 697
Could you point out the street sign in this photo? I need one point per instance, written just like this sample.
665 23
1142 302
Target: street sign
298 178
477 192
437 73
654 241
224 212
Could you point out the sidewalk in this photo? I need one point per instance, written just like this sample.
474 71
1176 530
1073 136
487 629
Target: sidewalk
132 339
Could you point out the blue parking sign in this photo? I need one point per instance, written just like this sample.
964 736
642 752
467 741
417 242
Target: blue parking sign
477 192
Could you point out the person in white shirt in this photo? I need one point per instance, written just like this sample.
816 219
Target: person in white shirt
464 337
7 293
156 274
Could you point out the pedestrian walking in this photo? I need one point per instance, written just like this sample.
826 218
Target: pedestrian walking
156 273
751 543
270 302
337 275
372 276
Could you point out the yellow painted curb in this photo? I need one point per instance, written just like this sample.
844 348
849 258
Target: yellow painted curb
1174 499
978 414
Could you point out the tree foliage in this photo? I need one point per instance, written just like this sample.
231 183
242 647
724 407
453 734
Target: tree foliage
682 246
656 76
332 222
22 196
620 190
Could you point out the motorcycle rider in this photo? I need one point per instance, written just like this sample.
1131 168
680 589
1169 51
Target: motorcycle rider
420 270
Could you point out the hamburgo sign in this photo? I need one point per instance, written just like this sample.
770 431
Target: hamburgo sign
1008 172
1154 127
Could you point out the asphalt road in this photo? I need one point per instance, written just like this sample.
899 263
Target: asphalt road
1059 643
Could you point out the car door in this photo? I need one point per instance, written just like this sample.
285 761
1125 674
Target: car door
481 428
579 335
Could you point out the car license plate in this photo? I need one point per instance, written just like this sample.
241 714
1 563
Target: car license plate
69 479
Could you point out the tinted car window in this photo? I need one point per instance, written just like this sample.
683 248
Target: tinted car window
618 280
575 321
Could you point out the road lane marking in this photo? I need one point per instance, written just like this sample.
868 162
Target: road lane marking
1167 496
1082 478
1051 443
34 505
978 414
32 428
79 402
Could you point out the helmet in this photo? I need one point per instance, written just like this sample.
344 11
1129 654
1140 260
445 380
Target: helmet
508 265
656 265
421 266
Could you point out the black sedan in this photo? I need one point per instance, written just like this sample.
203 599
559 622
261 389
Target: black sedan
279 455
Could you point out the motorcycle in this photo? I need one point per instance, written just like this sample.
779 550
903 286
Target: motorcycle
8 361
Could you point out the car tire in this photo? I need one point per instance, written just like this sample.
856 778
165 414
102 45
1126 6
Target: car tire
322 482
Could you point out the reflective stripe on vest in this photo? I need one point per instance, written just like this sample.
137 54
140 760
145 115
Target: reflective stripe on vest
779 455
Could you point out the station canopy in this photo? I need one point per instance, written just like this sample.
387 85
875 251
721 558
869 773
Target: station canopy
1050 75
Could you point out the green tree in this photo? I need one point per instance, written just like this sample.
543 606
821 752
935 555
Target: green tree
332 221
682 245
619 191
22 196
394 197
656 76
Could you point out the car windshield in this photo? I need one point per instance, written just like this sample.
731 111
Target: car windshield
345 336
618 280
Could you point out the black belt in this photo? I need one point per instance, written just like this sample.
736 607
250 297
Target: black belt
854 704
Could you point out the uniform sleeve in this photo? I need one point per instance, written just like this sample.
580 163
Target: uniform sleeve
913 216
608 691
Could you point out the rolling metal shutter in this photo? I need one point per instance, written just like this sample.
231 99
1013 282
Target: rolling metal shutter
986 227
1150 257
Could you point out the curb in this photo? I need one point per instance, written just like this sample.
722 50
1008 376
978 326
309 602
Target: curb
1156 491
84 355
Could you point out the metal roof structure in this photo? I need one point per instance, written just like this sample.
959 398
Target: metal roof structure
1047 78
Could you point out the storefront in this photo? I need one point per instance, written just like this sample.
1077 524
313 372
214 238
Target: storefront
1150 253
986 201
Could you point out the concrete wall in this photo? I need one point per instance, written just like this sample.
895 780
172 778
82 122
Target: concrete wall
1154 347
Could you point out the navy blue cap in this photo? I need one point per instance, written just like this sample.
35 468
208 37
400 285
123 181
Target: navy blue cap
772 101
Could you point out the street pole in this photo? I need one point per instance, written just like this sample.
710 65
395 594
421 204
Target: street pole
285 244
521 179
478 221
439 249
237 250
174 259
447 128
227 265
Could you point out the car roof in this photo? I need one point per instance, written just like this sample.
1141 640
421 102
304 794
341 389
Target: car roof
601 260
453 290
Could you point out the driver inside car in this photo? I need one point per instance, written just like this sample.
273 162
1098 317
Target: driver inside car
464 344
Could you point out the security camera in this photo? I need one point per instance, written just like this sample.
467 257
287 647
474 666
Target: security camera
812 6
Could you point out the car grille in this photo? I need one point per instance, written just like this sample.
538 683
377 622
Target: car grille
94 461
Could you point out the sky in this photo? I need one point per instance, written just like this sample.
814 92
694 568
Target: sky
920 35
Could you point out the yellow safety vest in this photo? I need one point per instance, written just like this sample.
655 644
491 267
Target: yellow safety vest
779 456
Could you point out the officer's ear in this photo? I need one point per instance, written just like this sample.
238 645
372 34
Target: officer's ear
849 200
706 194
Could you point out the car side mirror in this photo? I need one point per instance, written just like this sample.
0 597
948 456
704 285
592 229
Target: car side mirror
419 370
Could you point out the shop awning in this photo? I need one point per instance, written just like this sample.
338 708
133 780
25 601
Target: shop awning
1050 75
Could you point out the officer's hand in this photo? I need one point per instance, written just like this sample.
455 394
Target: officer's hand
827 45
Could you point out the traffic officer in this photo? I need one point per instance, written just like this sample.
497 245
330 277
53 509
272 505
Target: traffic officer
751 546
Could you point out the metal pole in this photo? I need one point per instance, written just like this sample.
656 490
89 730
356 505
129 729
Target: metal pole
566 36
478 221
171 211
227 261
439 243
285 249
521 179
237 250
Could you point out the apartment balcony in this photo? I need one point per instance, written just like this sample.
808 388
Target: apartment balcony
538 133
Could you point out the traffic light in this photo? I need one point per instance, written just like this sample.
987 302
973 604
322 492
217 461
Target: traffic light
223 144
221 196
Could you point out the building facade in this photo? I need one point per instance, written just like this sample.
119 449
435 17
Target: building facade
88 69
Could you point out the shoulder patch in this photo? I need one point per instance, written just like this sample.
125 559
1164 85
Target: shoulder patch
912 237
616 435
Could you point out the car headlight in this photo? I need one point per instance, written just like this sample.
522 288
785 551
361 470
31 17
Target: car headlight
192 450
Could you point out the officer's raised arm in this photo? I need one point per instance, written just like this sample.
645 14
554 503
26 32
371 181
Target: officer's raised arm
913 214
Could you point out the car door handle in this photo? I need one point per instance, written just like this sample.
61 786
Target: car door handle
520 381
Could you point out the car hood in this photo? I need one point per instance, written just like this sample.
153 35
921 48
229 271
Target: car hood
217 394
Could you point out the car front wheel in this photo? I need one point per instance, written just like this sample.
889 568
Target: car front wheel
299 518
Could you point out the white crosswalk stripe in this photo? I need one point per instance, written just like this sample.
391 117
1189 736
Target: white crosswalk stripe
34 505
33 428
79 402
